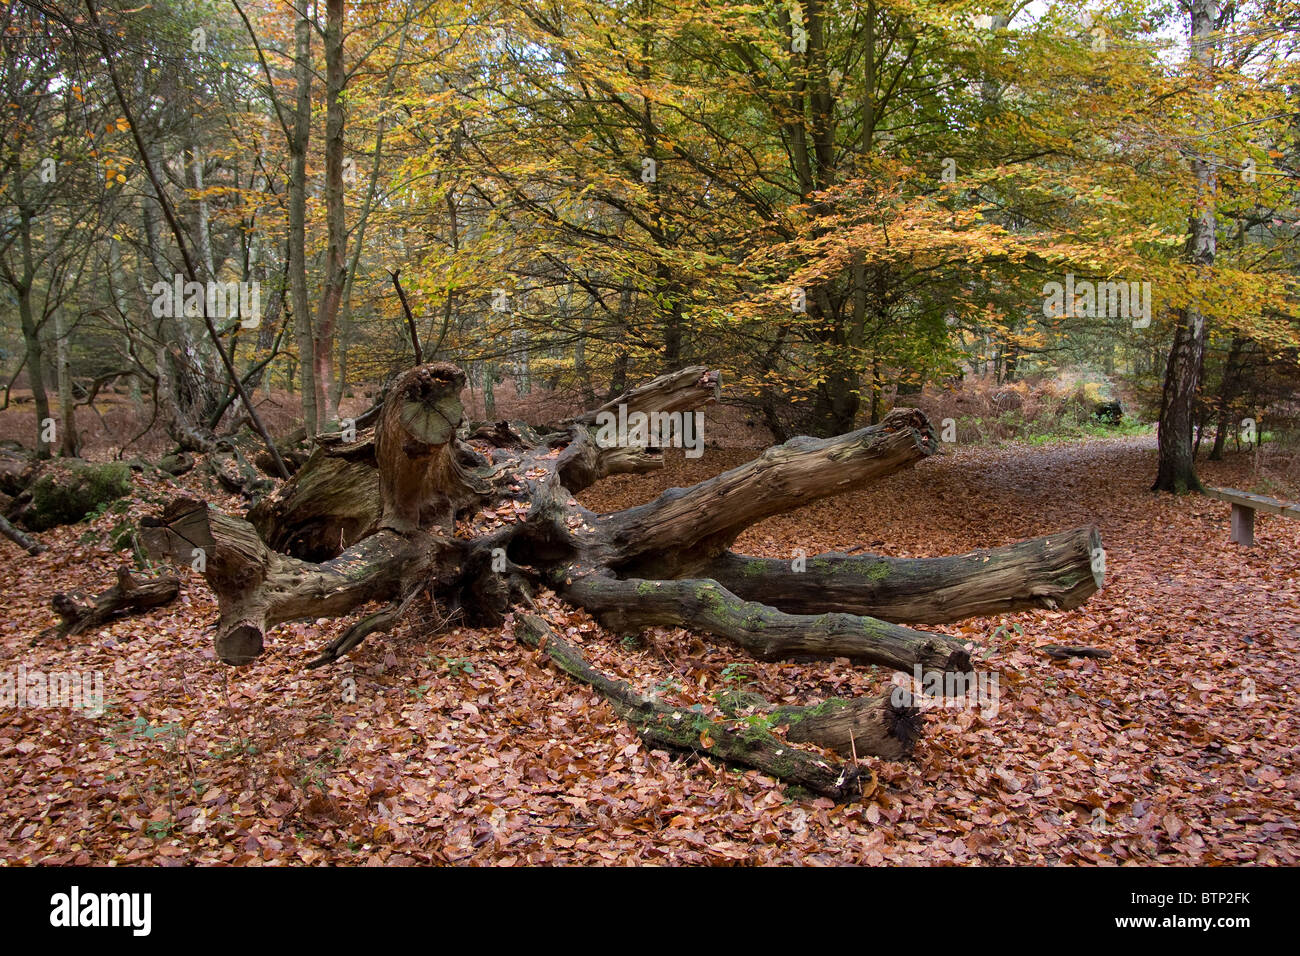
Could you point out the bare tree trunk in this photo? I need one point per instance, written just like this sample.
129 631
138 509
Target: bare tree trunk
336 271
298 143
69 440
31 330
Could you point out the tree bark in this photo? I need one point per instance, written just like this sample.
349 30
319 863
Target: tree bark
1056 572
1176 471
336 271
31 331
299 139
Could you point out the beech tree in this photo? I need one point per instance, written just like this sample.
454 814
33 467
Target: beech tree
1177 471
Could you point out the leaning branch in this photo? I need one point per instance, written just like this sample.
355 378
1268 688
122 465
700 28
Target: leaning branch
683 527
24 541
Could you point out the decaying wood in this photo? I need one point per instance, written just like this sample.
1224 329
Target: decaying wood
684 527
20 538
130 595
748 744
333 500
765 632
1055 572
878 726
330 504
257 587
872 725
478 518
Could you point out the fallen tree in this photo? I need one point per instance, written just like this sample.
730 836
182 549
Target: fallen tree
480 517
129 595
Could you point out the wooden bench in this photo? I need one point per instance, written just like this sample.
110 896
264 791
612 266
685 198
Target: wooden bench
1244 505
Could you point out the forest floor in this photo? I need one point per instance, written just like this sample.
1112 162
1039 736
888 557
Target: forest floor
460 746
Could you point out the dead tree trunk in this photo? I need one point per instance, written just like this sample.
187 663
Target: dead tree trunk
128 596
481 517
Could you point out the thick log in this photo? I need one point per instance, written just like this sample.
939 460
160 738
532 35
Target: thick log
868 727
1056 572
584 462
128 596
257 588
681 391
763 631
685 731
682 527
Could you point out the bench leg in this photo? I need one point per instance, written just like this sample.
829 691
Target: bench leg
1243 525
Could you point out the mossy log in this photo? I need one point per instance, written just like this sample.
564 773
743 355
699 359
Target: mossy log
748 743
67 491
766 633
